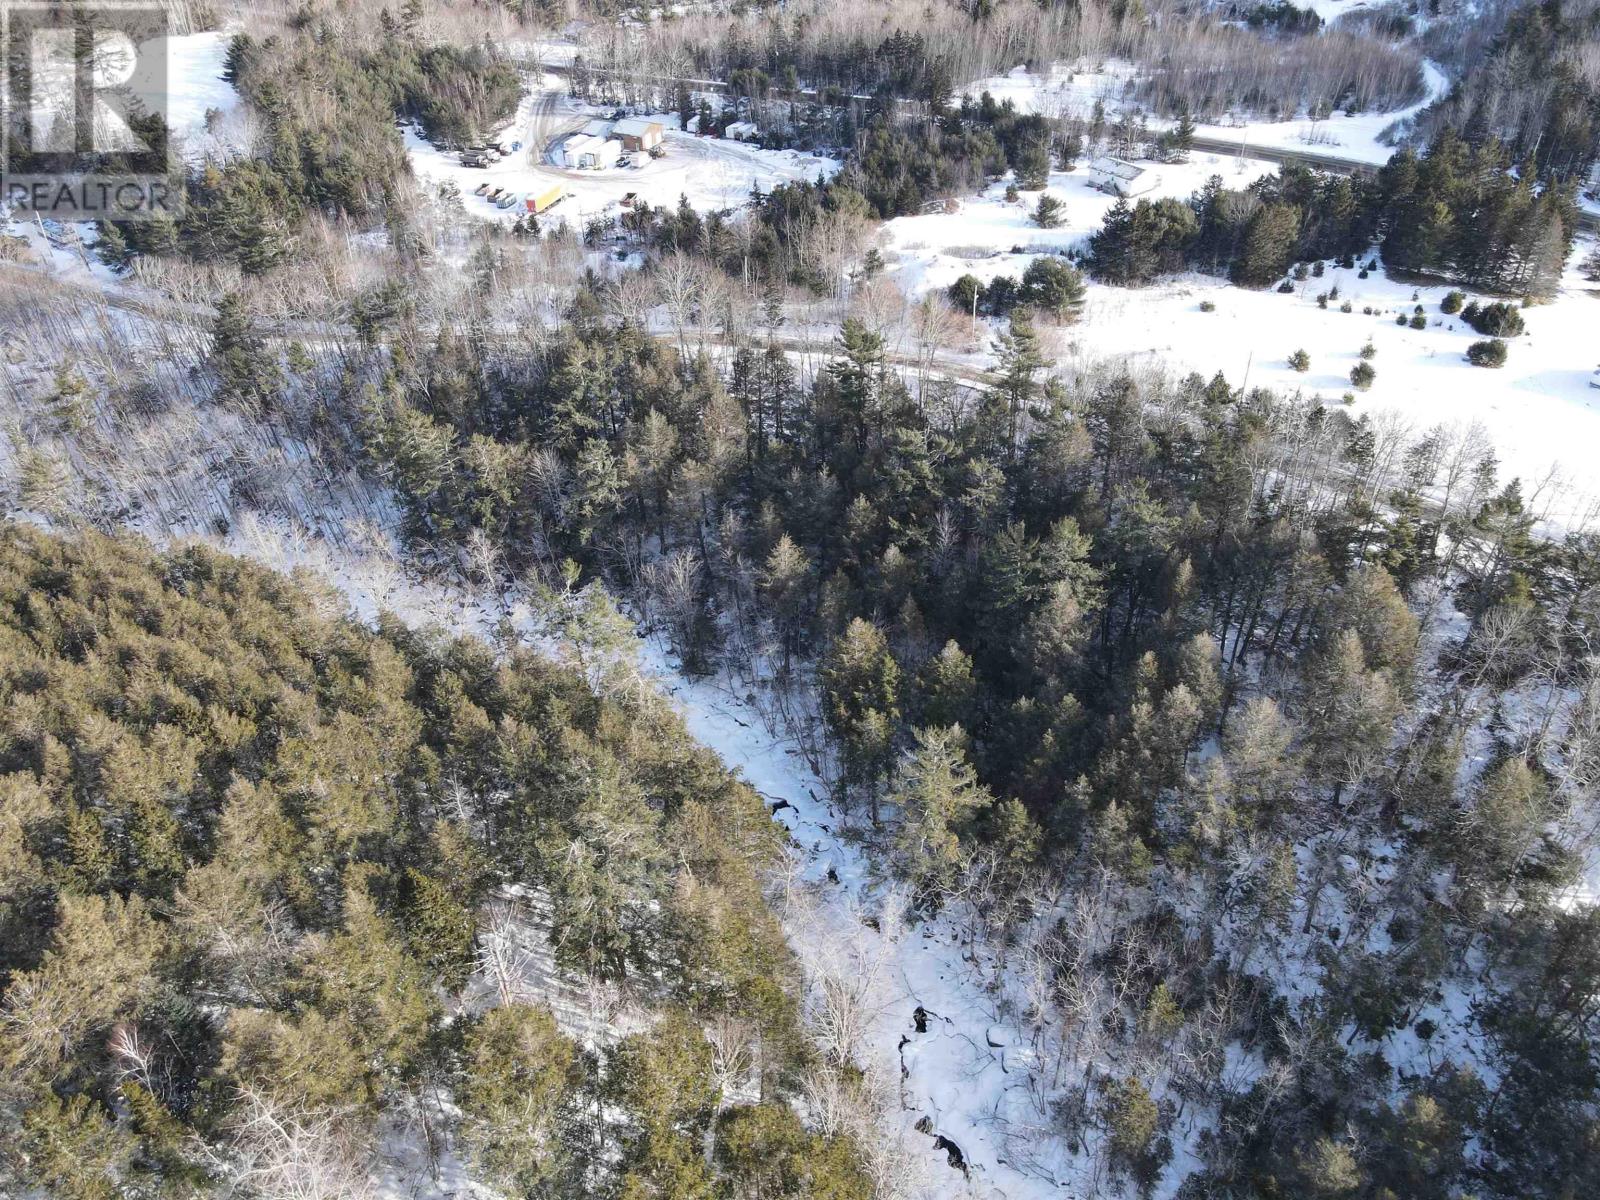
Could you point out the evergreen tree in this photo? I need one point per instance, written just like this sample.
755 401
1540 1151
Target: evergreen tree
938 798
1269 245
519 1076
1052 286
861 704
1047 213
247 372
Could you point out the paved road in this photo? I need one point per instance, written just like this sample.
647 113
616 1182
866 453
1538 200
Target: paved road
1311 158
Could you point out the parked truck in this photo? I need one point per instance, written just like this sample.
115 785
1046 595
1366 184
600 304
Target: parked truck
538 202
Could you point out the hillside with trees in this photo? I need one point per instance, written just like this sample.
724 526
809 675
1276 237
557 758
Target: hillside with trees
249 847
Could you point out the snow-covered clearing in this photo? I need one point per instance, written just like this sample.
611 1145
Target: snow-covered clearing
988 236
1540 408
196 88
1358 138
712 173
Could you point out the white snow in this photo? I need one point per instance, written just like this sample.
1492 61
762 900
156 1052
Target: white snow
1064 89
1539 409
194 87
988 236
1357 138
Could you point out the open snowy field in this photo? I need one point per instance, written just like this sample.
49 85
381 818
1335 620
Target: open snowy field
989 236
1539 409
195 87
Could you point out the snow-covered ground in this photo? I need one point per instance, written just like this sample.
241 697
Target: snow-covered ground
1064 89
970 1072
713 173
1331 10
1073 90
1539 409
1358 138
196 88
988 236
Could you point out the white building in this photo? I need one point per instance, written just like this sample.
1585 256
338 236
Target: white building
584 151
743 131
604 153
1121 177
572 149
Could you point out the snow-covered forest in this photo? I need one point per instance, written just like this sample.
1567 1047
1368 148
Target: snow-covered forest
952 635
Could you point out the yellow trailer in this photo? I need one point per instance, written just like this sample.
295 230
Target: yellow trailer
539 201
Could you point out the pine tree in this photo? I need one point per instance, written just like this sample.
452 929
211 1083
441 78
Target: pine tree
1015 386
1132 1124
100 964
1183 136
766 1151
786 587
861 704
938 796
1329 1171
1262 767
1350 712
1269 245
441 930
366 979
246 370
73 1149
663 1081
946 689
1053 287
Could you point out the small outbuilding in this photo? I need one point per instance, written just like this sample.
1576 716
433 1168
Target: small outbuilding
572 149
604 153
743 131
1121 177
585 152
639 133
